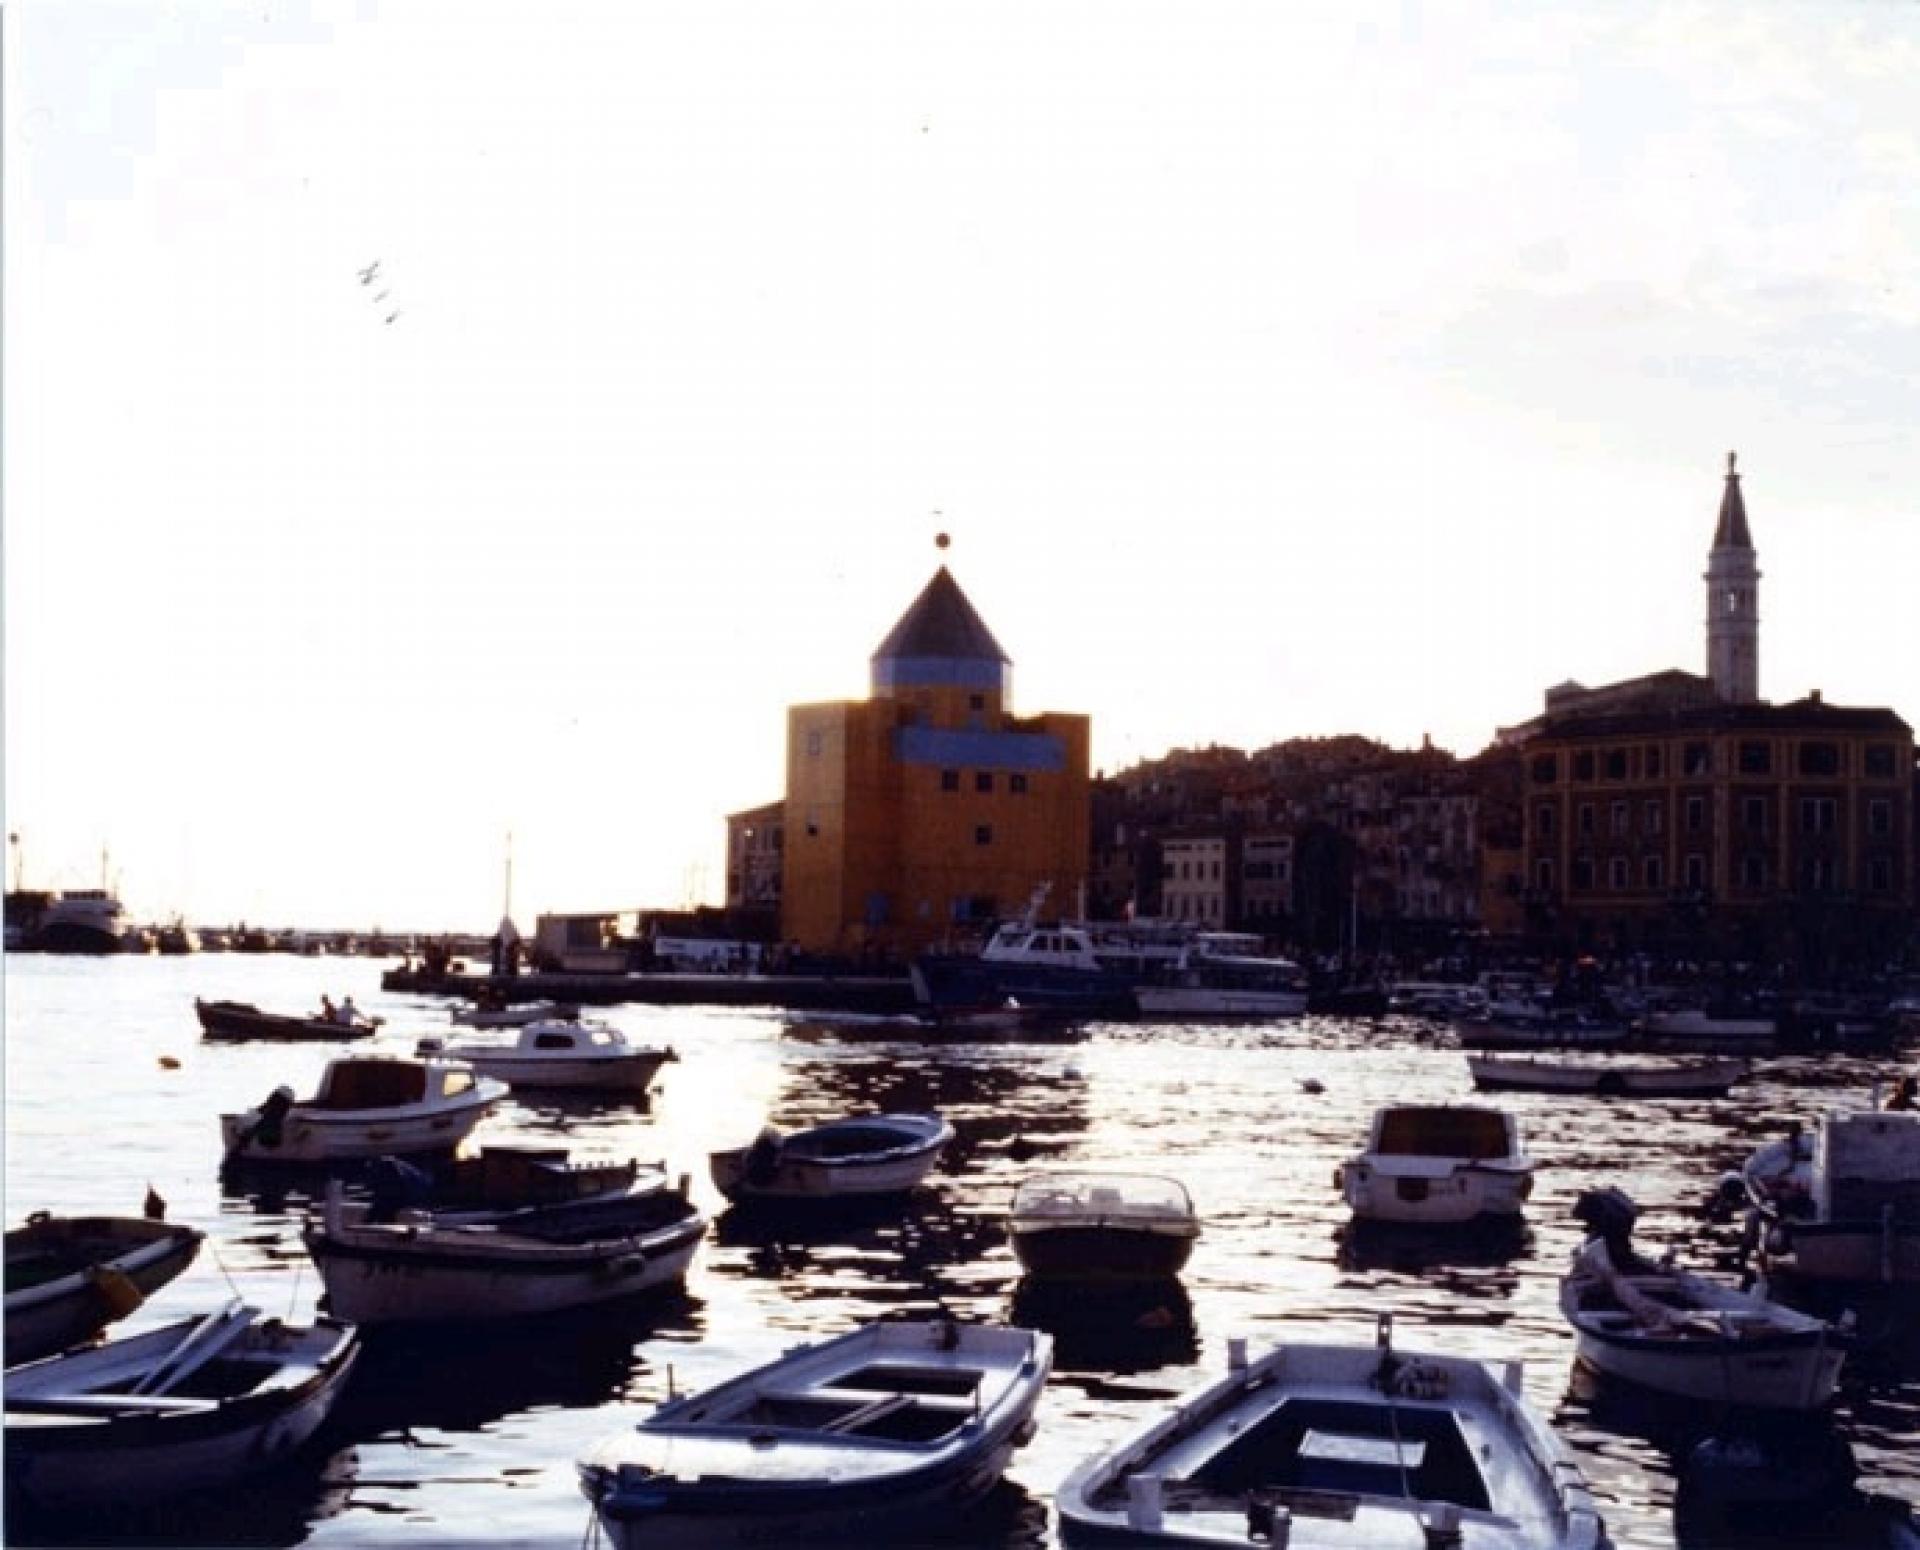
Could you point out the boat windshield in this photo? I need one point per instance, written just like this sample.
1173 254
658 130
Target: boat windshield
1464 1133
1094 1193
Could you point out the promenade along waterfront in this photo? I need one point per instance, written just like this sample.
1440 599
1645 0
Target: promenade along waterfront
470 1439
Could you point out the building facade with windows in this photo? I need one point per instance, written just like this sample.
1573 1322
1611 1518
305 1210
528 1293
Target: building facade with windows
921 813
1685 814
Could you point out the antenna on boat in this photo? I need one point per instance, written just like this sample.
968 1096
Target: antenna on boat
507 908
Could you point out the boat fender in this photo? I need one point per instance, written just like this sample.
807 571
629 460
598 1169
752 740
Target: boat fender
1779 1241
626 1265
115 1288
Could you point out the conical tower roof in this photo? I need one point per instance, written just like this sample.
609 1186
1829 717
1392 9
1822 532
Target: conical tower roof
941 625
1732 531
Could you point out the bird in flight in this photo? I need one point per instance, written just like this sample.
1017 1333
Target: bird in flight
367 274
391 316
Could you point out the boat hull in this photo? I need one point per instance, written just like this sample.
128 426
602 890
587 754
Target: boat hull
238 1020
1181 1001
888 1155
48 1317
315 1136
941 981
55 1465
1604 1078
1785 1373
1389 1190
630 1073
1862 1253
1100 1253
381 1276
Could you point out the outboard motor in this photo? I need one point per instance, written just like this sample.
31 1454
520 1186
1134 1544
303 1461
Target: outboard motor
763 1157
270 1128
1606 1213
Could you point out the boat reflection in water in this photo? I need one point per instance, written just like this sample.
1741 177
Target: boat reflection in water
1111 1327
1410 1247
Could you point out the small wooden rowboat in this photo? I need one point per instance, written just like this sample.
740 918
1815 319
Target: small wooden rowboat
1608 1076
880 1434
192 1406
846 1159
68 1277
242 1020
1336 1446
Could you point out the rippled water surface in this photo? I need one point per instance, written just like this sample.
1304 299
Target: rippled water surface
471 1439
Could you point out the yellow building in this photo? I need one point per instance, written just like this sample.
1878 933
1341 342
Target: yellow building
918 814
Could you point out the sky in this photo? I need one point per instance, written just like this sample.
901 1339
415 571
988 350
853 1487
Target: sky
442 433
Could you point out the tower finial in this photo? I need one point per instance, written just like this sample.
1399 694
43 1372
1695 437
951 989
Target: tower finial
1730 471
940 540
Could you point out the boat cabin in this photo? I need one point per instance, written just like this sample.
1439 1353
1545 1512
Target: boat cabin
375 1083
1464 1132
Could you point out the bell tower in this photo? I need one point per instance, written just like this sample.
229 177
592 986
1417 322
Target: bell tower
1733 601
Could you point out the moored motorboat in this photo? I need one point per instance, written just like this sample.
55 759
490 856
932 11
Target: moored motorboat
68 1277
878 1433
1438 1163
1340 1446
1542 1027
1102 1226
365 1106
509 1252
1608 1076
1680 1334
1842 1205
187 1407
514 1016
242 1020
1205 982
845 1159
563 1055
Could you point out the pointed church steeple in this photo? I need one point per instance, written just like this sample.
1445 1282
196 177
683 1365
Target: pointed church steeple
1733 600
1732 532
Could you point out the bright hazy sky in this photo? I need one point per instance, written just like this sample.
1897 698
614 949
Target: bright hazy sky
1278 370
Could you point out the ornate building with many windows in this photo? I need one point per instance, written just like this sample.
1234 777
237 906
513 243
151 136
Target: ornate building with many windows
929 809
1683 814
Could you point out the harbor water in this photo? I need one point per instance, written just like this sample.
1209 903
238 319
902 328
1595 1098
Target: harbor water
469 1437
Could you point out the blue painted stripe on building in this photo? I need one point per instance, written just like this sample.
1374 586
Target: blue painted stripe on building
957 748
937 673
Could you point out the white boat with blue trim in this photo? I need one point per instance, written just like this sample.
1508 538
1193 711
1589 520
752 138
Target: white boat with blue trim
881 1433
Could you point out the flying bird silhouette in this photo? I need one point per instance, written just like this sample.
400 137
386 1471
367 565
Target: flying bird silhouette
367 274
391 316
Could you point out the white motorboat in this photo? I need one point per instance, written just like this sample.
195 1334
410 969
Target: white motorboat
577 1056
1844 1204
192 1406
1608 1076
1718 1028
1205 983
1666 1329
568 1237
68 1277
516 1016
1679 1334
365 1106
1102 1226
1437 999
1336 1446
1438 1163
862 1439
845 1159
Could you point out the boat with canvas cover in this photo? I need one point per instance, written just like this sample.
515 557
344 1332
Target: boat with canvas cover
845 1159
191 1406
1102 1226
68 1277
1438 1163
1666 1329
1608 1076
878 1434
561 1055
1325 1447
1841 1206
511 1253
365 1106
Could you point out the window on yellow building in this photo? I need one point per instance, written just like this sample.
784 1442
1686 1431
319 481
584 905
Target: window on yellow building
983 834
983 780
949 780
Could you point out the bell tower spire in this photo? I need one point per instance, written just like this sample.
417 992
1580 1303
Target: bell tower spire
1733 600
